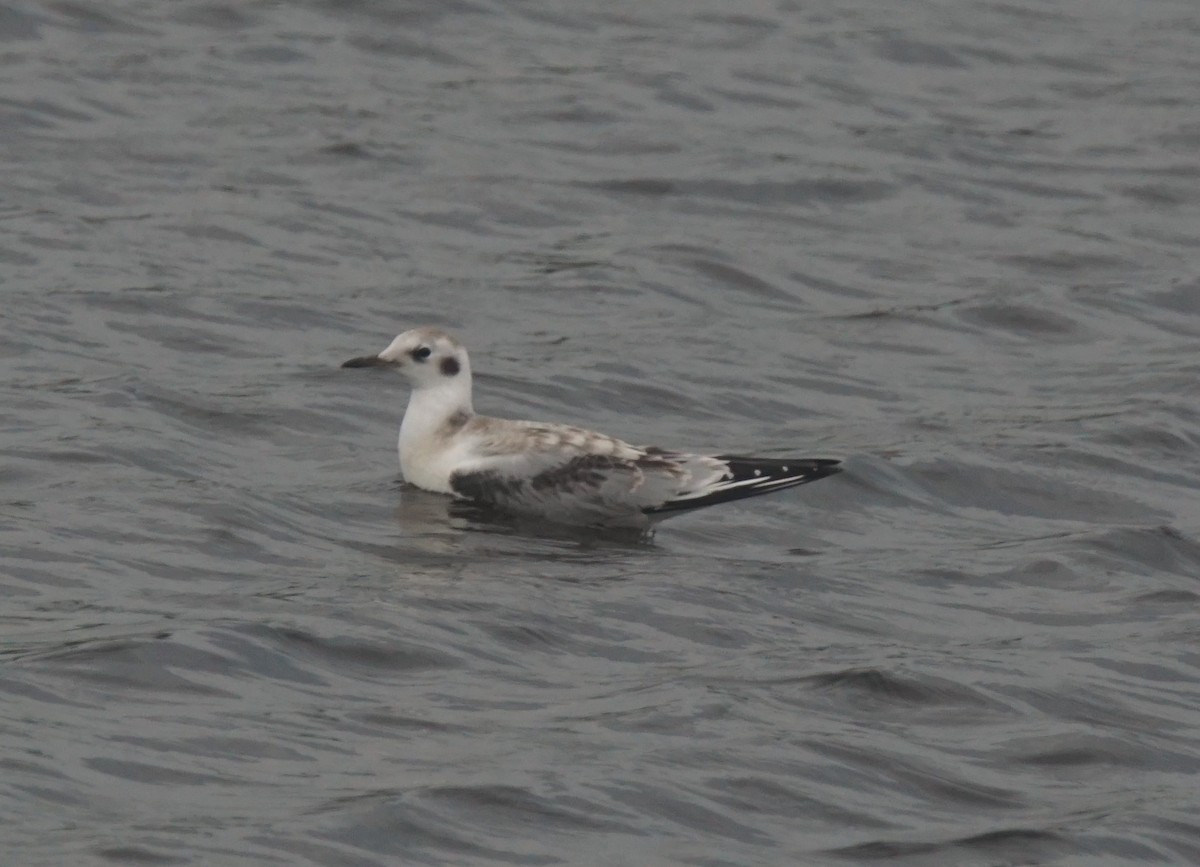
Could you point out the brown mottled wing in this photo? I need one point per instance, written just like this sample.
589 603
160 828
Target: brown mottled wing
574 475
571 474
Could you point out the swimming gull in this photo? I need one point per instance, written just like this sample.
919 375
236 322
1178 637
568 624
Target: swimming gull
559 472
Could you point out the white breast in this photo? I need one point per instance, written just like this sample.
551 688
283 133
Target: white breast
428 462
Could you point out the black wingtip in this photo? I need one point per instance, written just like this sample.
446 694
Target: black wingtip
802 469
750 477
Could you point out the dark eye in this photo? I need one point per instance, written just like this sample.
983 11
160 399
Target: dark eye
421 353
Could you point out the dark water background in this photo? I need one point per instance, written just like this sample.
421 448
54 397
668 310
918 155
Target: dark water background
953 242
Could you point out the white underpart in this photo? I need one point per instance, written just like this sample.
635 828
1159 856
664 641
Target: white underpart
426 458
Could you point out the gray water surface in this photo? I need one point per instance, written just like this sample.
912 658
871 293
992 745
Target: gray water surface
954 243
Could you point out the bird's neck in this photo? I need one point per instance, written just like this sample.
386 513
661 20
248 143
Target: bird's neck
432 408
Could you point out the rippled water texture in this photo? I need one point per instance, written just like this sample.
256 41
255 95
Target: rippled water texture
954 243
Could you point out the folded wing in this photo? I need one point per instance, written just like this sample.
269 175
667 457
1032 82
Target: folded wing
575 475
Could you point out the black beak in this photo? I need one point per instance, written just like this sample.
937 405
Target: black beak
367 361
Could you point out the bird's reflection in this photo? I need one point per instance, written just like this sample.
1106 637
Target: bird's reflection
436 522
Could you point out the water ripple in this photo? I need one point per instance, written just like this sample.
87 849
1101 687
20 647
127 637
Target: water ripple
953 249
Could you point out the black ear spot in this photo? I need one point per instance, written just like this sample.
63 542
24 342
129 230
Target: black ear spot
450 367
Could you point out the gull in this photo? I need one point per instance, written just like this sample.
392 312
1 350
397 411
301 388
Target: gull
557 472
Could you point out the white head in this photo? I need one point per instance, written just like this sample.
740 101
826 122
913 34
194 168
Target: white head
430 359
